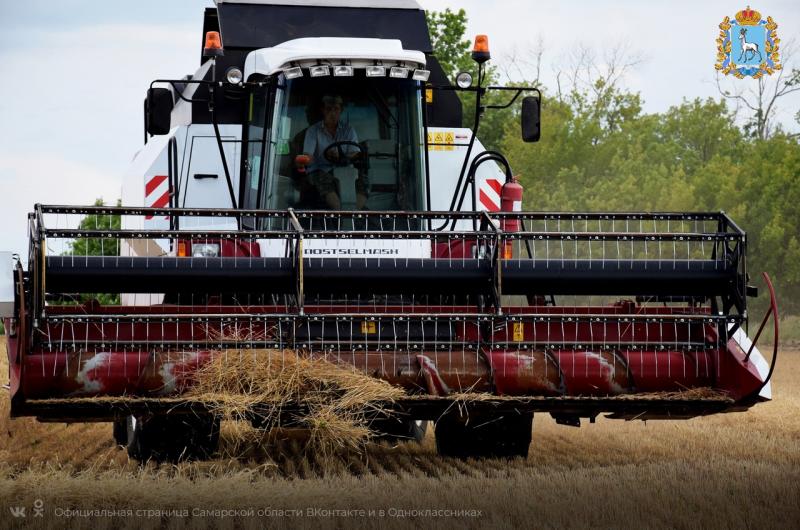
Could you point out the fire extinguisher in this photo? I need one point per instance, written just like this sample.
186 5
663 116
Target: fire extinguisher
510 201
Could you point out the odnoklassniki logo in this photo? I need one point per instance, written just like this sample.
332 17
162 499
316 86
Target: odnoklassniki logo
748 45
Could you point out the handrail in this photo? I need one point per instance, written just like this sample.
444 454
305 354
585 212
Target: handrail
229 212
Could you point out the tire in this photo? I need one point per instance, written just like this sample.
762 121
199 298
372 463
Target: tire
507 436
394 429
172 438
418 430
120 431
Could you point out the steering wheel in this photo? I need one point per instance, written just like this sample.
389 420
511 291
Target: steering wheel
343 159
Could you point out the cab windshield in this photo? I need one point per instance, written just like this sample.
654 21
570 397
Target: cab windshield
336 143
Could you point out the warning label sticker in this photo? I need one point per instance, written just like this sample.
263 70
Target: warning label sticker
441 141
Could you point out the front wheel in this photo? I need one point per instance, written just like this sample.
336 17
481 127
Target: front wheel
506 436
120 431
172 437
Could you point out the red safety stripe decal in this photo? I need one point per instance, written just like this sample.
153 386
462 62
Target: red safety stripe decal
153 183
495 185
160 203
488 203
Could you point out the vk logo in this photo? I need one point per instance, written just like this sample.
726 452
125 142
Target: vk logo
19 511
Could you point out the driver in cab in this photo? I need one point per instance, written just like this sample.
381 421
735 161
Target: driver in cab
321 155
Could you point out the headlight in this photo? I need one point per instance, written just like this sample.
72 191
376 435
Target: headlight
464 79
292 73
319 70
421 75
342 70
233 75
205 250
398 72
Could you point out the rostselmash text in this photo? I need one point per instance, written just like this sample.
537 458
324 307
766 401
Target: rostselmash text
351 251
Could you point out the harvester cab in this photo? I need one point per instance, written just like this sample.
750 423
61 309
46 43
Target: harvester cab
311 188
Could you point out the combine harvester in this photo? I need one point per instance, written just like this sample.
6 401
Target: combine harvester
404 254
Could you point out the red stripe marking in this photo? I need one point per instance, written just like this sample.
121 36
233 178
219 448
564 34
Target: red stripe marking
488 203
495 185
153 183
160 203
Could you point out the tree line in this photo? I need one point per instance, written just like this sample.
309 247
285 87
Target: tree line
600 151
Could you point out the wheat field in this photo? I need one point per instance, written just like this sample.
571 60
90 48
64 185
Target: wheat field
732 470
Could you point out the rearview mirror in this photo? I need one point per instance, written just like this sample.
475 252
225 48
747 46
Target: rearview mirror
158 108
531 126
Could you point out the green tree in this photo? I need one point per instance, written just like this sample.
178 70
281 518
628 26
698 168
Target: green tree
770 192
600 151
451 49
95 246
760 104
454 53
692 157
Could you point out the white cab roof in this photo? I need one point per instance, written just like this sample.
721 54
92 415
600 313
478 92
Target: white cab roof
268 61
378 4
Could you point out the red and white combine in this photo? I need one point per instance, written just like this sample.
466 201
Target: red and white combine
404 253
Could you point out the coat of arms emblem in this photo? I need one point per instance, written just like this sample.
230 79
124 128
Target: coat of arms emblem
748 45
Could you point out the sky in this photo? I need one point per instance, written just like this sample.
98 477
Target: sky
75 74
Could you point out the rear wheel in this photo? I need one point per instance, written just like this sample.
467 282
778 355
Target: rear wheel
505 436
170 438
